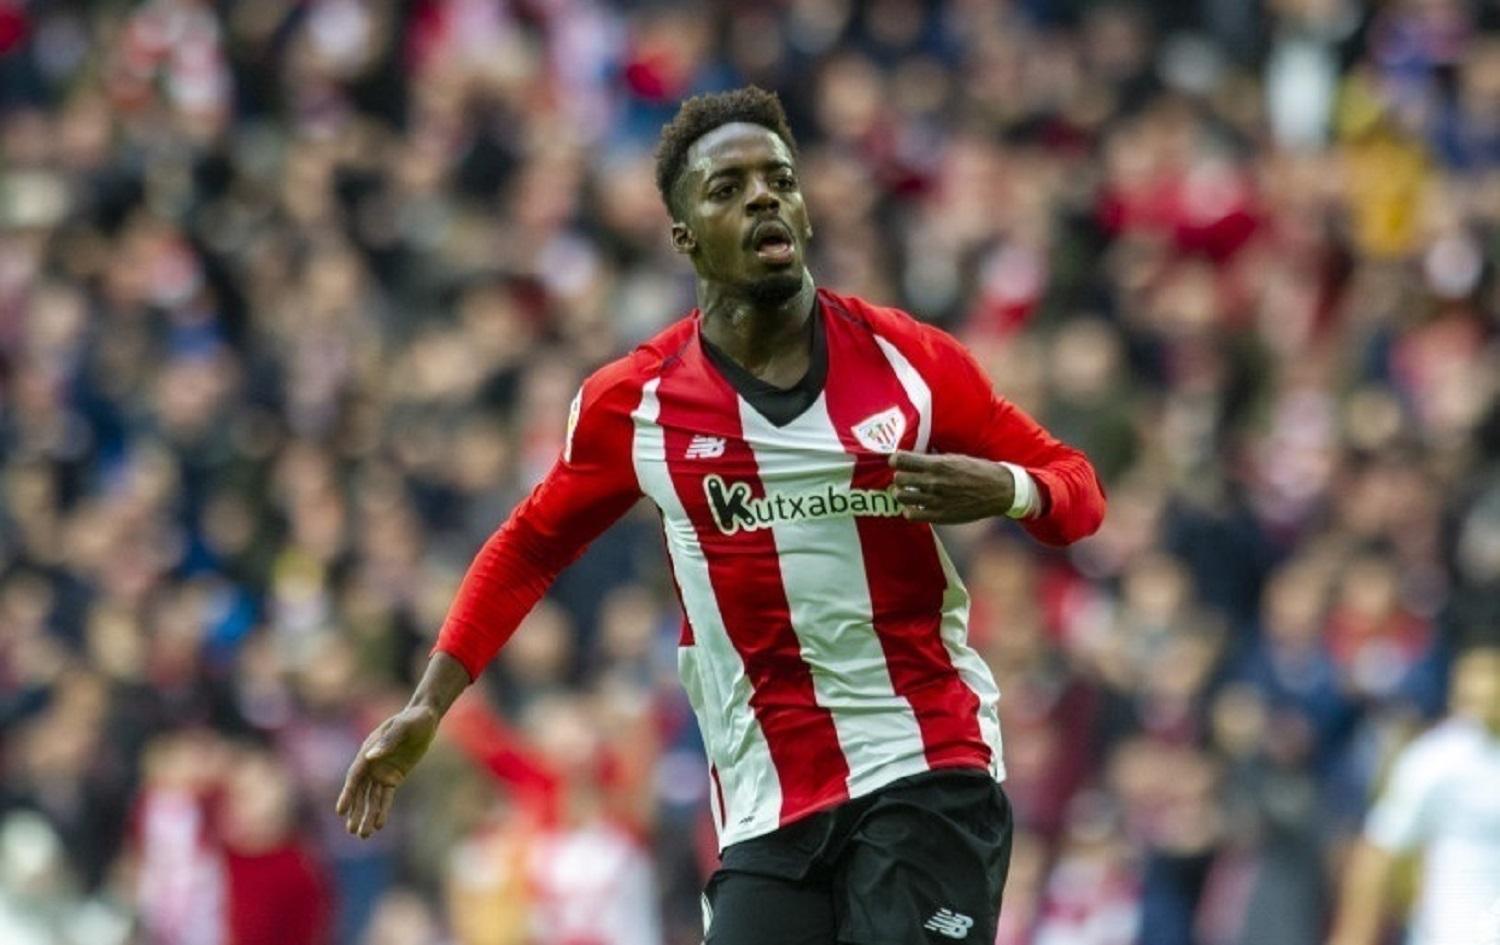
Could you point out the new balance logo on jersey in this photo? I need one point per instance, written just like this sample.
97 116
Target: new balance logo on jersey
704 447
881 432
734 506
949 923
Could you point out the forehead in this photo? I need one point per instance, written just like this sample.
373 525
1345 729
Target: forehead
737 143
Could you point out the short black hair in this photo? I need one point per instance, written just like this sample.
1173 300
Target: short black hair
701 114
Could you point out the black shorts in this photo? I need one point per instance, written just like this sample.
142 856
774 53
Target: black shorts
921 860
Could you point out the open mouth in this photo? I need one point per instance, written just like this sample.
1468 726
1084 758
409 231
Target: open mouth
773 244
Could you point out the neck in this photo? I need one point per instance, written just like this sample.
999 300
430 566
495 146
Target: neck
757 335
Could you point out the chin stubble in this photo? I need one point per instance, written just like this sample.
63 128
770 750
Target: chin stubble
774 290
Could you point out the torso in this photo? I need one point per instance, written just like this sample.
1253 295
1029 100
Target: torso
824 648
1460 887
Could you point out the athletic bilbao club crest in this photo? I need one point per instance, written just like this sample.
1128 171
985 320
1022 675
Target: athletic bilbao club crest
882 432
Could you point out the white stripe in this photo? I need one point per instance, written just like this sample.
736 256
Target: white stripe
917 390
823 571
970 665
712 672
955 622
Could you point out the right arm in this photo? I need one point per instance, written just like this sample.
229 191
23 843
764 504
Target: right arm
391 751
590 486
1398 824
1362 899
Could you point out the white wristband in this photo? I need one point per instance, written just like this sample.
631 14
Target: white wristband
1027 501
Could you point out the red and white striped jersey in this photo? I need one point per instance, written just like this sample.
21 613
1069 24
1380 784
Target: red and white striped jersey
824 642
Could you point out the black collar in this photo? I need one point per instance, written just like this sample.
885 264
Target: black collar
780 405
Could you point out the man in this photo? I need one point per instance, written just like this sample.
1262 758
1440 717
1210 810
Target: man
1443 799
798 444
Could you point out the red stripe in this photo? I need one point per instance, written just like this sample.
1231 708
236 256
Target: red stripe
713 772
685 636
901 560
745 571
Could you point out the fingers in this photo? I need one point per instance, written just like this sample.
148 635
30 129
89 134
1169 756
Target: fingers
927 482
913 462
365 801
375 746
932 515
366 805
914 486
353 781
372 808
362 822
374 811
355 818
909 478
910 501
916 490
385 797
923 497
918 504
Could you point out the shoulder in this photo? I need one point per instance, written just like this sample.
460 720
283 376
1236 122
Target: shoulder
925 345
933 353
1449 743
618 384
600 416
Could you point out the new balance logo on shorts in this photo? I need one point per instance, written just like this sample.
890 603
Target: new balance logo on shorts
704 447
949 923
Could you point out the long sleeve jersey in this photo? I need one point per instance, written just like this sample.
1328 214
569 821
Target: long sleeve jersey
824 642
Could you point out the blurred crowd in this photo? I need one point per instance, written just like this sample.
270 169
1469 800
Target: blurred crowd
294 295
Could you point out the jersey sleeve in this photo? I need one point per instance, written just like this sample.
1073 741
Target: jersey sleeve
1402 817
587 489
968 417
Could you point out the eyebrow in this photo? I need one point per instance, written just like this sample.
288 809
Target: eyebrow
738 170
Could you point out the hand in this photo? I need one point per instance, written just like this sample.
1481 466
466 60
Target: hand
384 760
947 488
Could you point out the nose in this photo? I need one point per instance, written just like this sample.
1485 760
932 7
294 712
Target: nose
761 197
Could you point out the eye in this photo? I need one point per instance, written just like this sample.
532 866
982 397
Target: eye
785 183
721 192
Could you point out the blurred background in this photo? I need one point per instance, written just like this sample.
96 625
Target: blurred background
294 295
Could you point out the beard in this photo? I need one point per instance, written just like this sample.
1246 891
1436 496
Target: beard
774 289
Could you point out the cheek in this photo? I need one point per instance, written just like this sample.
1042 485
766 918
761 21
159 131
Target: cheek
796 214
721 245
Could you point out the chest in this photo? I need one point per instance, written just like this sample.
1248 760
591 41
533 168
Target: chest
1469 804
726 468
703 440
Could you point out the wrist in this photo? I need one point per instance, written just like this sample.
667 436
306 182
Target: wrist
1025 497
425 709
442 683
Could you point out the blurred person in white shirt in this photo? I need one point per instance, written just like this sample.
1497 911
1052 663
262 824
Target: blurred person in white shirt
1442 801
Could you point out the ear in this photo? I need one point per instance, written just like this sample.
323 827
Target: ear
683 240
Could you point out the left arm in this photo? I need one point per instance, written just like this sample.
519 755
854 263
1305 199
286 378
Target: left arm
984 451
